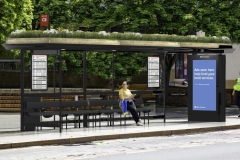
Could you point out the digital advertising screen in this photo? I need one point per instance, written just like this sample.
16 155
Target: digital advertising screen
204 85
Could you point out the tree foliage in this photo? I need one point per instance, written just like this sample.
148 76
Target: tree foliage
126 65
15 14
180 17
58 11
100 63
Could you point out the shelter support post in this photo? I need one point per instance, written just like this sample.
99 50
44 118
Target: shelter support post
164 85
112 75
22 90
60 90
85 85
54 80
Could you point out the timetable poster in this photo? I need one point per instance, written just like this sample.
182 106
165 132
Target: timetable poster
153 71
39 72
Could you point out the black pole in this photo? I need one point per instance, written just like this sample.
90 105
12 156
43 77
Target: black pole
54 72
48 22
54 79
84 85
112 75
22 90
60 90
164 84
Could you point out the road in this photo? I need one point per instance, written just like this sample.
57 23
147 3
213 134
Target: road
220 145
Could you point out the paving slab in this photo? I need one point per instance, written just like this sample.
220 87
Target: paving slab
176 123
82 135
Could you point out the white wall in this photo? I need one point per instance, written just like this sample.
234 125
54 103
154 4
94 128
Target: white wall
232 67
233 63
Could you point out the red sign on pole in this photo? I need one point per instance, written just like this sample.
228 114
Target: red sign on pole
44 20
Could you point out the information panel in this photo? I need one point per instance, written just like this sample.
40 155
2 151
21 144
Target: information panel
204 85
153 71
39 72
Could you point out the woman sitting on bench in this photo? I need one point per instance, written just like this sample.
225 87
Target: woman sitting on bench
125 94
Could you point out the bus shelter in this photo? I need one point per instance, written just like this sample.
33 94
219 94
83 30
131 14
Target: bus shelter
198 51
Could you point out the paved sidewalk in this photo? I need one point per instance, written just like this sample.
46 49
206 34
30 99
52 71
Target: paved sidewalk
157 127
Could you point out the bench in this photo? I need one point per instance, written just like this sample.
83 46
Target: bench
38 109
78 109
114 103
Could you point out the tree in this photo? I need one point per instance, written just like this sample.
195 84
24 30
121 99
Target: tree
214 17
220 18
126 65
15 14
185 17
82 11
87 13
58 11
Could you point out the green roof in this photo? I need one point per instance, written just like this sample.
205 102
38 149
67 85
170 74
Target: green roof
117 36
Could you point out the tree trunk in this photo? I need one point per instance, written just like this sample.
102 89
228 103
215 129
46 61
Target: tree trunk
169 62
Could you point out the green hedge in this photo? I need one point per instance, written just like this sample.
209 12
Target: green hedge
117 36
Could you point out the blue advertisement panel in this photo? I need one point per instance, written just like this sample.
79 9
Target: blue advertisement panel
204 85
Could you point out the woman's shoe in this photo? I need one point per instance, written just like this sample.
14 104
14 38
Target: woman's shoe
139 124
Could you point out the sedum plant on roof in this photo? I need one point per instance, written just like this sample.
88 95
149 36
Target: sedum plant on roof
116 36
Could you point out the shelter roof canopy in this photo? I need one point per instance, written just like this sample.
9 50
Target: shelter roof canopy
103 45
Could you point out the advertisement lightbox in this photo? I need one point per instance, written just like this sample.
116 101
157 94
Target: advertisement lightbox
204 85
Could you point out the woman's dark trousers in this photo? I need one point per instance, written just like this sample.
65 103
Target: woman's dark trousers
133 111
238 99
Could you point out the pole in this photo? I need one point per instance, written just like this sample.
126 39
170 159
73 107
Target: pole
22 90
164 84
84 85
48 22
54 79
112 74
60 90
